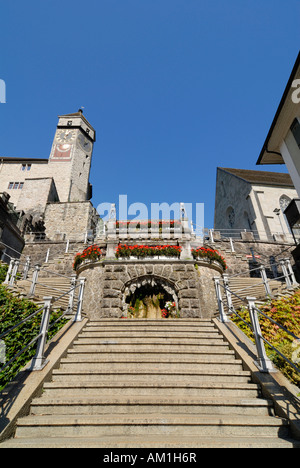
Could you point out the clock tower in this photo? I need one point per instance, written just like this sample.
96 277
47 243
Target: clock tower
70 157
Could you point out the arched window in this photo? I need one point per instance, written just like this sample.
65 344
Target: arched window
284 202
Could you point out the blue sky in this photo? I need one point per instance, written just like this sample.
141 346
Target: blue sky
174 88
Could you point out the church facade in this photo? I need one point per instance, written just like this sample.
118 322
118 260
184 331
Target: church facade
253 201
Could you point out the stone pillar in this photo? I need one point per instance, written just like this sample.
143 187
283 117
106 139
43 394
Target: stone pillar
111 249
186 253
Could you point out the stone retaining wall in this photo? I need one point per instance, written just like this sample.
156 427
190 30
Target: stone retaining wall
107 281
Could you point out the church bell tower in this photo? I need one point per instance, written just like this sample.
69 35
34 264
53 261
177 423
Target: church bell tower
70 157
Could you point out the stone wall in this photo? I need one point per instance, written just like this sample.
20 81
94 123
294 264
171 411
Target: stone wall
241 260
71 220
106 284
36 194
59 261
12 172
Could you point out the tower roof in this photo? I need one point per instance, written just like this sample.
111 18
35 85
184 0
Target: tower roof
79 115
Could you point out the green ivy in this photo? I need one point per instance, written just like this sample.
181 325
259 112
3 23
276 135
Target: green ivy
3 271
12 311
286 312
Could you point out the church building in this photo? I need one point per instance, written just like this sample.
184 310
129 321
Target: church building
253 201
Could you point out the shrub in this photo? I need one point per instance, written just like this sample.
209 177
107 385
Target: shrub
3 271
12 311
286 312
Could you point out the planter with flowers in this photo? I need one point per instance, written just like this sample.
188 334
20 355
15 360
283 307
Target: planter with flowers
89 255
209 255
145 251
170 310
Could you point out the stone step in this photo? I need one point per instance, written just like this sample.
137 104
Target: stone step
148 366
145 404
151 358
113 346
148 323
148 330
150 333
151 442
170 353
153 341
166 375
151 424
143 321
138 388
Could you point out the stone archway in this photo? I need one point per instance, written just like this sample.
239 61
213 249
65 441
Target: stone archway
191 287
146 296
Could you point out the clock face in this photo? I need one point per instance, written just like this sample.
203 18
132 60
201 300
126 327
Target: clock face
62 152
66 136
85 144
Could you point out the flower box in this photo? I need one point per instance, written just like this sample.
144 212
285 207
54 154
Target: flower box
209 255
144 251
89 255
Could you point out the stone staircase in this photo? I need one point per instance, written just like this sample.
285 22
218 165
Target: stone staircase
61 264
47 286
151 383
253 287
54 280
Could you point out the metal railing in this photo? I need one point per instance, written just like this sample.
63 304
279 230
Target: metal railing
13 274
212 235
39 361
263 363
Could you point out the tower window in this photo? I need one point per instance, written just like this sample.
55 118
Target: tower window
15 185
26 167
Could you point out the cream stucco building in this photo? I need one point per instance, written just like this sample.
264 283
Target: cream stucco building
253 201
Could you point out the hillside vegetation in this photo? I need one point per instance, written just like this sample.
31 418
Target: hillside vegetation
285 311
12 311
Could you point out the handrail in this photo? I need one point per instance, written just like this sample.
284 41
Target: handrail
13 271
263 363
264 264
20 323
7 364
39 361
257 284
234 234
